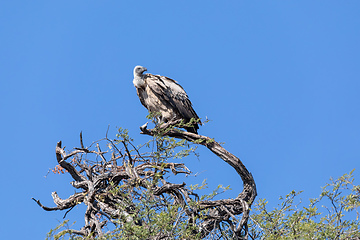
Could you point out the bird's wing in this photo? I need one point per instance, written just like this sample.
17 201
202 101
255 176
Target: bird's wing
157 86
141 92
169 90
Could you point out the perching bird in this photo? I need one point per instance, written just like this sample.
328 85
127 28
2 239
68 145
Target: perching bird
163 95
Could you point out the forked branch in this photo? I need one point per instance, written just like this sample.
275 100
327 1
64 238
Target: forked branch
112 183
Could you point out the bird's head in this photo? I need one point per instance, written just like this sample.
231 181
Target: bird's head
139 70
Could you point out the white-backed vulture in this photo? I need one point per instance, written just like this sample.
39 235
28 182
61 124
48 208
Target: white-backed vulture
164 95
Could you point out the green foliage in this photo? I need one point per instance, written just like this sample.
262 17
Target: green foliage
145 215
123 135
166 147
52 233
333 215
218 190
159 217
155 217
66 234
155 118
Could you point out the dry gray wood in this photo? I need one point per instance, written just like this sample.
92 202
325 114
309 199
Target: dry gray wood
131 169
222 209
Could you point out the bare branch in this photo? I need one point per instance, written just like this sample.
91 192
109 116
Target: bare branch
61 157
112 191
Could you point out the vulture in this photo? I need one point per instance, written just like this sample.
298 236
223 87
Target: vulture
164 95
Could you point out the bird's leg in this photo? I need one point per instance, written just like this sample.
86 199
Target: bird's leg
161 122
172 122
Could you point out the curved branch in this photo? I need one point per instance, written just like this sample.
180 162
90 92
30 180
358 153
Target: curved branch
112 191
62 204
242 203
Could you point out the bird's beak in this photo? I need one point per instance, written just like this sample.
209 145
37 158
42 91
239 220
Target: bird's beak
145 69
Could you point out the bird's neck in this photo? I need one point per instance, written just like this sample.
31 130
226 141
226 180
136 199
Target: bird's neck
139 81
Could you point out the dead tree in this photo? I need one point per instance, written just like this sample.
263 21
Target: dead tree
111 183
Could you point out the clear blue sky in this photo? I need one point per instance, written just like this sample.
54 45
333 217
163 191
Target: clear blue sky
280 81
